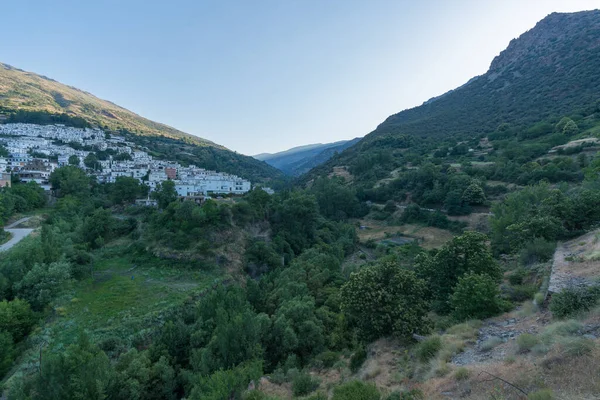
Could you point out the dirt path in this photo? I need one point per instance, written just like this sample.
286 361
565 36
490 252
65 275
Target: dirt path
17 234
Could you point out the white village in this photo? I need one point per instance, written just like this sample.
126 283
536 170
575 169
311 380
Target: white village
35 151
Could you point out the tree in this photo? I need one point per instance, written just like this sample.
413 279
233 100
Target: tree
74 160
81 371
16 318
476 296
43 282
70 180
560 125
91 161
570 128
165 194
474 194
122 157
386 299
390 206
126 189
296 220
97 227
6 352
466 253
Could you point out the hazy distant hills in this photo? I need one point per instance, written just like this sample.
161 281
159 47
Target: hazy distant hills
28 97
550 71
299 160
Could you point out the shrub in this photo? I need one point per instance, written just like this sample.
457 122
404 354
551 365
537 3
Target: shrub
462 374
490 343
544 394
358 359
576 347
539 298
521 292
538 250
328 358
572 301
304 384
428 348
414 394
516 278
526 342
356 390
475 296
466 330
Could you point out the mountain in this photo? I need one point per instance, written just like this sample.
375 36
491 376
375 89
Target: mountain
28 97
548 72
299 160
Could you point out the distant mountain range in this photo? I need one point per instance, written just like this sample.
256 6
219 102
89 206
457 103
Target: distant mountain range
299 160
28 97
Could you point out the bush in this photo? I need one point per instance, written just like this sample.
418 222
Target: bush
428 348
475 296
328 358
358 359
539 299
462 374
538 250
516 278
356 390
544 394
526 342
490 343
521 292
576 347
414 394
304 384
573 301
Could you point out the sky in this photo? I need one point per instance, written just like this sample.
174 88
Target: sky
266 75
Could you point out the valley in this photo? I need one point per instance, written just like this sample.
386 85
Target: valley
452 253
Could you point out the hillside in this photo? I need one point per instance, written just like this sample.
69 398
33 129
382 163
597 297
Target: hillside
299 160
28 97
548 72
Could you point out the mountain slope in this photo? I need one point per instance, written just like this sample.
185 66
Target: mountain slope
548 72
299 160
28 97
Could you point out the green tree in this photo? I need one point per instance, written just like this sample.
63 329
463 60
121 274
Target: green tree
165 194
474 194
91 161
476 296
43 282
81 371
74 160
6 352
97 228
386 299
16 318
126 189
296 220
466 253
570 129
71 181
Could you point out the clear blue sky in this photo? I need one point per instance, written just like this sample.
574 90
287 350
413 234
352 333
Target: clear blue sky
266 75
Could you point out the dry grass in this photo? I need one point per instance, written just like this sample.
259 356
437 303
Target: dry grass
429 237
567 376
